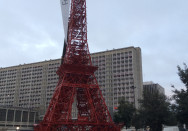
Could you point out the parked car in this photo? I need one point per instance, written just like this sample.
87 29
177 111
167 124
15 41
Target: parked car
171 128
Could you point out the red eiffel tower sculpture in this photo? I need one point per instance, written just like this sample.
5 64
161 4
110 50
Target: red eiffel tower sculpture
77 82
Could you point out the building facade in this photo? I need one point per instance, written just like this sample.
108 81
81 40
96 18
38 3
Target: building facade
32 85
13 118
119 75
29 85
153 87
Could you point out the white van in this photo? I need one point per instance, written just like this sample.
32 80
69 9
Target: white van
172 128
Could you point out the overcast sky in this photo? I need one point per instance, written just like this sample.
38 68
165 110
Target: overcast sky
32 31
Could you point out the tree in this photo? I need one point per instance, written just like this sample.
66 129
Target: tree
154 111
181 97
125 113
137 121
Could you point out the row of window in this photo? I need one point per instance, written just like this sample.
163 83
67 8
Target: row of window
126 57
54 64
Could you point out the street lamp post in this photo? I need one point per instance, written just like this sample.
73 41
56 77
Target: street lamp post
17 128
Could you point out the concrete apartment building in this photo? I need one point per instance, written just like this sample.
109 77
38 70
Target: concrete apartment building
29 85
153 87
119 75
32 85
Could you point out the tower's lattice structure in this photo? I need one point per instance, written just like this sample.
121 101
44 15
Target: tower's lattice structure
77 83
